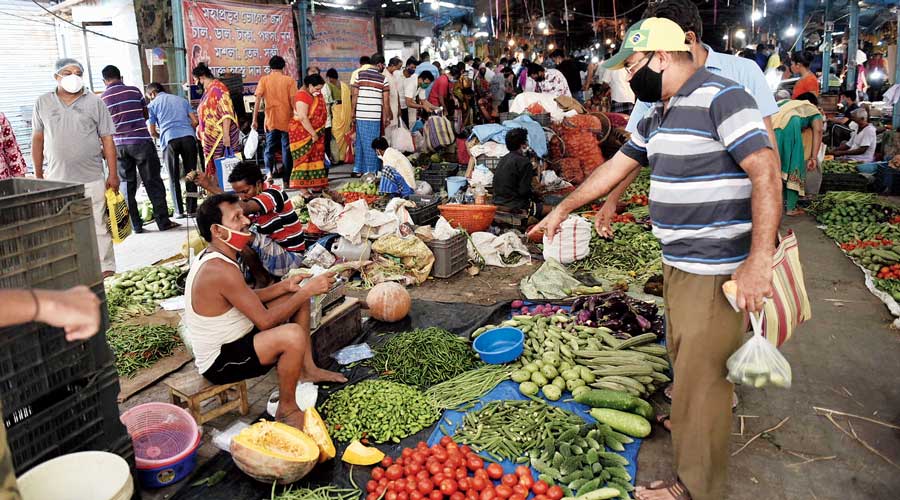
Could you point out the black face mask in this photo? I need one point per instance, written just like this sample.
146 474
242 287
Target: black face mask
647 84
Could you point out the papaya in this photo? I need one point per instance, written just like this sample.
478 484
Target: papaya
315 427
273 451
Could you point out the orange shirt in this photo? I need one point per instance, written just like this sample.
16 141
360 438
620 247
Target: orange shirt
278 91
808 83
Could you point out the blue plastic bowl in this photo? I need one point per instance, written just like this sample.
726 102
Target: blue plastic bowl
500 345
867 168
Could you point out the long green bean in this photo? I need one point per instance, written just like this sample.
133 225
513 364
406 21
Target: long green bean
423 357
509 429
321 493
139 346
467 386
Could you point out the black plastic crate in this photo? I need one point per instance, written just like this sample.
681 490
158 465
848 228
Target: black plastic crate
450 256
426 212
887 180
36 359
844 182
22 200
54 250
436 175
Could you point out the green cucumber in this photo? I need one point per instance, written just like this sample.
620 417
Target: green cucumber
626 423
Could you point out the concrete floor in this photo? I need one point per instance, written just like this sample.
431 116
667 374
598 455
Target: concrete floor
847 358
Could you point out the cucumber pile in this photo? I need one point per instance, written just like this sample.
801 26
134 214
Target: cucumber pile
149 283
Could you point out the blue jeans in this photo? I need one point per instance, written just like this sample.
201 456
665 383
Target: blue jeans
274 139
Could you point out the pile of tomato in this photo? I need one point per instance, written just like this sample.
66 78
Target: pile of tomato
889 272
624 218
638 199
447 470
873 243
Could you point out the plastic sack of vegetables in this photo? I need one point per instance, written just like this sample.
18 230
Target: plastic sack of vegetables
758 363
118 223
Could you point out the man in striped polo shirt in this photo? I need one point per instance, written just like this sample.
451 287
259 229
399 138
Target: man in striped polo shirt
135 150
715 204
371 112
278 245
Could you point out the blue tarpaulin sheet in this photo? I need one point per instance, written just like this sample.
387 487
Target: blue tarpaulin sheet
509 390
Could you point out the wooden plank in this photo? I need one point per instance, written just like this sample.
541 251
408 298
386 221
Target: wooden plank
148 376
336 311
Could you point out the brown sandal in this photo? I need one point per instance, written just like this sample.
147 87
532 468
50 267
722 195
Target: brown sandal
676 490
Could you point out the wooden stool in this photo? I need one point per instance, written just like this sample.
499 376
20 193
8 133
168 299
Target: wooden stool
192 390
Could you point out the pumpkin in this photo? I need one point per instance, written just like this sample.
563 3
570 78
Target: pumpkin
315 427
360 454
388 302
273 451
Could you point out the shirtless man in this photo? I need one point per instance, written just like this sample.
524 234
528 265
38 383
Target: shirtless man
237 332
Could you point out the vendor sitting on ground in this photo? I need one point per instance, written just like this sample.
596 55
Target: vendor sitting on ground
278 243
397 174
862 146
238 333
513 190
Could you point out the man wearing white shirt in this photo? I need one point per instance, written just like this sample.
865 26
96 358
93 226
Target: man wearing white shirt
621 95
403 77
390 74
862 146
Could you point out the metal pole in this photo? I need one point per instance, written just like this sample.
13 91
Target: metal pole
87 58
852 45
304 46
180 59
826 54
896 121
801 22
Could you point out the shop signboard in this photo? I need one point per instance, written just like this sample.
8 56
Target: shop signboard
239 37
337 41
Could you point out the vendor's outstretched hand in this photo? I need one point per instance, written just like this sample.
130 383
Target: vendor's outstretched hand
292 282
320 284
549 225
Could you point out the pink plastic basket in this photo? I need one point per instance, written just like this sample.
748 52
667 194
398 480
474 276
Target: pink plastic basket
162 434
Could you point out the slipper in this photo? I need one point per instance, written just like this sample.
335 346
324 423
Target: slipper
676 490
662 419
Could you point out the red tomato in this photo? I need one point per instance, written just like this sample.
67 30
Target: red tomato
451 445
448 487
400 461
509 480
495 471
478 483
527 480
471 495
387 462
424 486
482 473
446 440
450 473
419 457
390 495
520 490
522 470
489 493
411 483
421 444
405 496
540 497
517 496
371 496
460 473
436 495
434 468
437 478
504 491
465 448
401 484
407 452
415 495
540 488
371 486
440 454
458 495
463 483
474 463
377 473
380 491
554 492
452 462
413 468
423 474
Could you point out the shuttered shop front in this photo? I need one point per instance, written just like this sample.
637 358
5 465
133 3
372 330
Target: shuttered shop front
28 51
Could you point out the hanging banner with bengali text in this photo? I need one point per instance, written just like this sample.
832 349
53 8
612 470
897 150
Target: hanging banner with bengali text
239 37
337 41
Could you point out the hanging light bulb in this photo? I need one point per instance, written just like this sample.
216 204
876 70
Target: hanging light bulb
546 31
612 46
511 42
790 31
740 35
597 45
483 19
542 24
724 37
756 15
551 47
608 41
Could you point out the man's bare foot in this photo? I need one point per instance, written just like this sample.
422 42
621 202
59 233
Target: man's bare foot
659 490
108 274
665 421
795 212
293 417
320 375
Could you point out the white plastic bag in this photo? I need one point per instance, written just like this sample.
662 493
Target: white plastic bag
758 363
251 144
400 138
571 243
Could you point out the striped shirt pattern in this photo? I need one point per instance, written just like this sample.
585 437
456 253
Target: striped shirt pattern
126 105
372 86
699 194
278 220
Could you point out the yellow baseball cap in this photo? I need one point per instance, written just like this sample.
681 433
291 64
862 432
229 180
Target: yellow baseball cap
649 35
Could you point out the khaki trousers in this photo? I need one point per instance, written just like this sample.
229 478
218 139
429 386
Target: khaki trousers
8 488
96 191
702 331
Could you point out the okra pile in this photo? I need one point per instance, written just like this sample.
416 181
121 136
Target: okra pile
378 410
